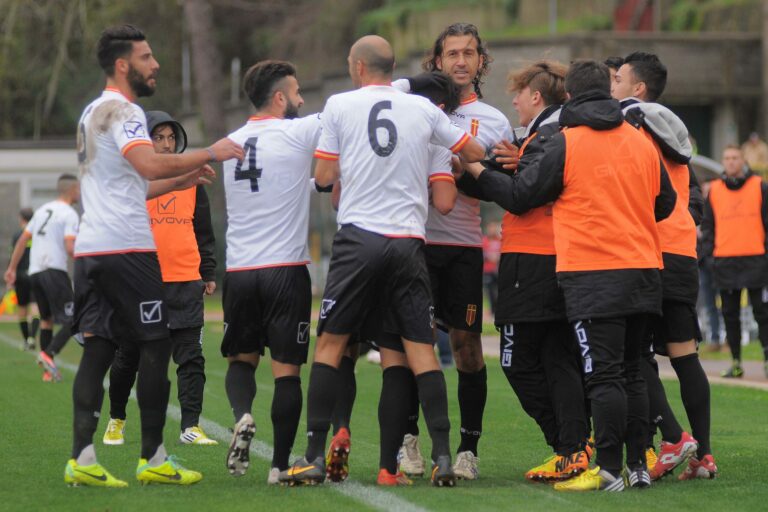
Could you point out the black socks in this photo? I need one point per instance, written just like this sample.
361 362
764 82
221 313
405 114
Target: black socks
394 405
46 335
321 399
660 413
24 326
694 390
152 391
59 341
286 412
473 392
342 411
240 384
434 403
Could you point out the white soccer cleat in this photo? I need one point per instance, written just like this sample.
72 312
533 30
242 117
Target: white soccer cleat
373 356
465 466
238 458
274 477
195 435
409 457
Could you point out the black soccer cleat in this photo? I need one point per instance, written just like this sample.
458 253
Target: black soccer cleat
304 473
442 472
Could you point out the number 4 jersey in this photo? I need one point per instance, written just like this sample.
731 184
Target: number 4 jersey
268 192
381 138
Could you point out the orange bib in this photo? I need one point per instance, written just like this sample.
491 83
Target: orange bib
739 229
170 216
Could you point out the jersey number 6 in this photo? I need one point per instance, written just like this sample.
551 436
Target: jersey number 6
374 123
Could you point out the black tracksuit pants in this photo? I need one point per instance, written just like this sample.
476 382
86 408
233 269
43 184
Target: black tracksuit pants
541 363
731 302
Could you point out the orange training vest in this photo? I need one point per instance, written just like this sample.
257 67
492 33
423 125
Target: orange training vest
678 231
739 229
604 218
530 233
170 216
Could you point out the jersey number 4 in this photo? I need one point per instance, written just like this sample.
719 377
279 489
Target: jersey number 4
251 172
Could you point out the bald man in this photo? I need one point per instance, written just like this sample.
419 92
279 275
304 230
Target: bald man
377 260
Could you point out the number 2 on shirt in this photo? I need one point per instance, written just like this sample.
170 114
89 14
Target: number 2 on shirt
251 172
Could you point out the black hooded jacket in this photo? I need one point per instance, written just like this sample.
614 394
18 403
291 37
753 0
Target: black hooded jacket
588 294
201 222
735 273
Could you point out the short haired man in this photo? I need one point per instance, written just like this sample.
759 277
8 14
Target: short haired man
734 236
24 297
267 289
454 248
613 63
639 83
608 258
52 230
119 295
181 225
377 257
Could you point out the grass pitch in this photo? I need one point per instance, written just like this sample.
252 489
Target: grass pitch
35 429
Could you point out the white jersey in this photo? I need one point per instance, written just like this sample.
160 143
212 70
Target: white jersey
268 193
114 194
381 138
462 226
51 224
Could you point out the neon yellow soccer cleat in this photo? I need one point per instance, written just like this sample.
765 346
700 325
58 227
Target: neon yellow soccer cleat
114 433
94 475
592 480
169 472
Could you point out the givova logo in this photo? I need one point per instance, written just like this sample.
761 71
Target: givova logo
303 334
509 342
581 336
326 307
151 311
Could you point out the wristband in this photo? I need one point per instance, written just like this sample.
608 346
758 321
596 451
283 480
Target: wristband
211 154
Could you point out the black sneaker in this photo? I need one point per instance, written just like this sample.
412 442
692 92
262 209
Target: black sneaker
442 472
238 458
304 473
638 478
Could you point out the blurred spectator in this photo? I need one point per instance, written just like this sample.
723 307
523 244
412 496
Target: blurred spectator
709 314
756 153
491 254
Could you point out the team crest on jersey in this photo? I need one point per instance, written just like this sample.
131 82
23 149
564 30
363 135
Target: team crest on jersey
69 308
432 317
471 314
474 127
151 311
326 307
303 335
134 129
166 205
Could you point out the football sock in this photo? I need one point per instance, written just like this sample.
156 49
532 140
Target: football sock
393 414
473 392
152 391
59 341
122 376
88 391
87 456
434 403
694 390
46 335
24 326
413 408
659 411
286 412
190 374
35 327
240 384
342 411
159 457
321 399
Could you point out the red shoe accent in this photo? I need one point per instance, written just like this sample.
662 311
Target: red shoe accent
672 455
388 479
337 458
704 468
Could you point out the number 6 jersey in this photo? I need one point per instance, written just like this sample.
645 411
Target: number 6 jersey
381 138
268 193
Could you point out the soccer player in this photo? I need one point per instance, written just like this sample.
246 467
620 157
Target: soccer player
377 253
734 237
267 289
638 84
23 288
539 355
119 294
52 230
455 248
608 195
181 225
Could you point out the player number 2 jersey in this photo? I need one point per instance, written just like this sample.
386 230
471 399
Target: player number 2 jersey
381 138
50 226
462 225
268 192
113 193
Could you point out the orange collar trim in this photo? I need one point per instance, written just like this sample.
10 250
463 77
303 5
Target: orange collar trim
470 99
261 118
118 91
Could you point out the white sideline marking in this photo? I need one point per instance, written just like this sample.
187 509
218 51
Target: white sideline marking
370 496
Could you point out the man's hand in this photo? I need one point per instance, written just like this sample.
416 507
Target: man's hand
10 277
201 176
210 287
226 149
507 154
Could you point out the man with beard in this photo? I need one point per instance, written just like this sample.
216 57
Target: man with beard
119 294
267 289
454 249
181 225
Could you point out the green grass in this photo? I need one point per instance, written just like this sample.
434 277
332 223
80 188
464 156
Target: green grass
751 352
35 422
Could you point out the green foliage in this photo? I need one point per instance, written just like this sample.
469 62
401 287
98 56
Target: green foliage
698 15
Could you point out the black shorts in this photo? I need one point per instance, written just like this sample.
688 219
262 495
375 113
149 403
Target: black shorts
23 287
184 301
679 324
371 273
268 307
456 275
120 296
53 290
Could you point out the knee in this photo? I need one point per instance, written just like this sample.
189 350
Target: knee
251 358
467 350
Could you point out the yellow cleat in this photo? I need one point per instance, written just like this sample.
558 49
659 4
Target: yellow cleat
94 475
592 480
114 433
169 472
650 458
195 435
546 471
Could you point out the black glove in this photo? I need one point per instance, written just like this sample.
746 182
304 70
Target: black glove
428 81
326 190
